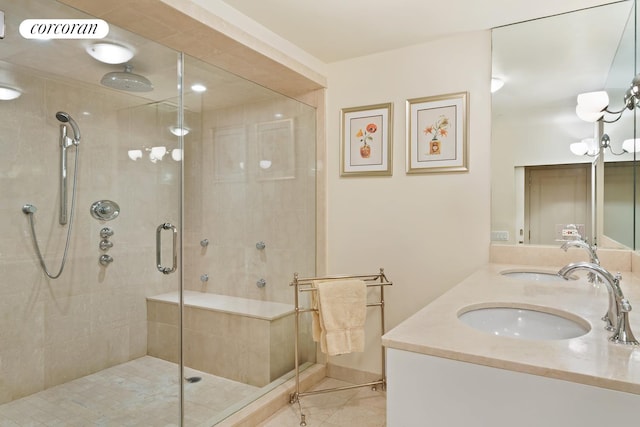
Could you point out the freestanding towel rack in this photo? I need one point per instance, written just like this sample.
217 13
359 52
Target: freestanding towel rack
306 285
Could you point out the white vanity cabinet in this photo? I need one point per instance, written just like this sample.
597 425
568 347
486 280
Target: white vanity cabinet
442 372
424 390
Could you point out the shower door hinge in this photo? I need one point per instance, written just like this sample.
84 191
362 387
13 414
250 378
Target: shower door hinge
1 24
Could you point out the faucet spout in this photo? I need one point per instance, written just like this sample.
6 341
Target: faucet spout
619 306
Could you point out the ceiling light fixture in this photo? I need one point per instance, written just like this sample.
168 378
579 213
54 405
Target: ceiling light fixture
198 87
8 93
110 53
179 131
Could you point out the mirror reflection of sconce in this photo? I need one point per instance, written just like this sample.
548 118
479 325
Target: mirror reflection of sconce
134 154
588 147
592 106
156 154
265 164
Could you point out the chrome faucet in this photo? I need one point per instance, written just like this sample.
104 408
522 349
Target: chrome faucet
591 277
619 306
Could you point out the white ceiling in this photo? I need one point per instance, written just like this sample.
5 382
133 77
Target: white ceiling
333 30
545 62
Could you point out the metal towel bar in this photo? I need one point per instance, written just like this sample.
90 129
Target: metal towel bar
306 285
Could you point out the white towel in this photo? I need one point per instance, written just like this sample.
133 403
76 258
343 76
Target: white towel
338 322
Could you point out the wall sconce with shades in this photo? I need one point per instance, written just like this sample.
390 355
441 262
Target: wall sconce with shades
588 147
593 106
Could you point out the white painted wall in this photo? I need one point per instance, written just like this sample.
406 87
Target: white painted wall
428 231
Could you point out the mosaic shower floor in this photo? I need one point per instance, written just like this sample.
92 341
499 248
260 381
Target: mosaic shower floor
142 392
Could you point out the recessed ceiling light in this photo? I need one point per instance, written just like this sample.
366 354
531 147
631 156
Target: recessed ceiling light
197 87
179 131
110 53
9 93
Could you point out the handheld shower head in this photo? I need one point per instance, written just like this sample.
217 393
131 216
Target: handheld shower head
66 118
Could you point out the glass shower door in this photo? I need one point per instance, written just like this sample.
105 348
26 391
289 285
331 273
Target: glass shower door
249 224
75 349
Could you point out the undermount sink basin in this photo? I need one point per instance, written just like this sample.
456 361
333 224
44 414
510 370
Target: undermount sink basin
524 322
535 275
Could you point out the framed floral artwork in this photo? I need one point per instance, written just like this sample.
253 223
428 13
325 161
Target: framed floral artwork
437 133
366 140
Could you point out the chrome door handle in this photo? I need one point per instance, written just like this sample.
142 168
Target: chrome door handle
161 269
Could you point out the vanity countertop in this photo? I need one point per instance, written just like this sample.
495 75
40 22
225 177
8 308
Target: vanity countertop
589 359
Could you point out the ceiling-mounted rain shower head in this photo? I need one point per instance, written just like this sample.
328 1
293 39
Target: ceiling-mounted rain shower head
66 118
126 80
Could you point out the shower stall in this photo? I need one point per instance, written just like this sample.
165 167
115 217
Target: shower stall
192 204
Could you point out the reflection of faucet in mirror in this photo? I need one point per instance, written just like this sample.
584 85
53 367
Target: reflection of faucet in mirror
619 306
591 250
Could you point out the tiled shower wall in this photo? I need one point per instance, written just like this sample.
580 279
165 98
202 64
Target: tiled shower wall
234 203
52 331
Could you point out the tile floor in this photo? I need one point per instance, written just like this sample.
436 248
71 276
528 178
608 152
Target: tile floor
359 407
142 392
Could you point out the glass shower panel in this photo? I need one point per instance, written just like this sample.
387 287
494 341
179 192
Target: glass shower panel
74 350
249 224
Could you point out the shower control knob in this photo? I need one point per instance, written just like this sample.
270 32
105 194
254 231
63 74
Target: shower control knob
261 283
105 244
105 210
261 245
106 232
105 260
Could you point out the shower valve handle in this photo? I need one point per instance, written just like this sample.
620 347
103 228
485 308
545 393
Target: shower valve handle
106 232
105 244
105 260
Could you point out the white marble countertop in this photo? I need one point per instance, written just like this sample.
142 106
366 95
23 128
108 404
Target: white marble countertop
589 359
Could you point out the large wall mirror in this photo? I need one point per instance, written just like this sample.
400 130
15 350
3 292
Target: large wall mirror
543 193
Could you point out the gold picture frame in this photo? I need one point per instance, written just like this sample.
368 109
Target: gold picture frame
366 148
437 128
